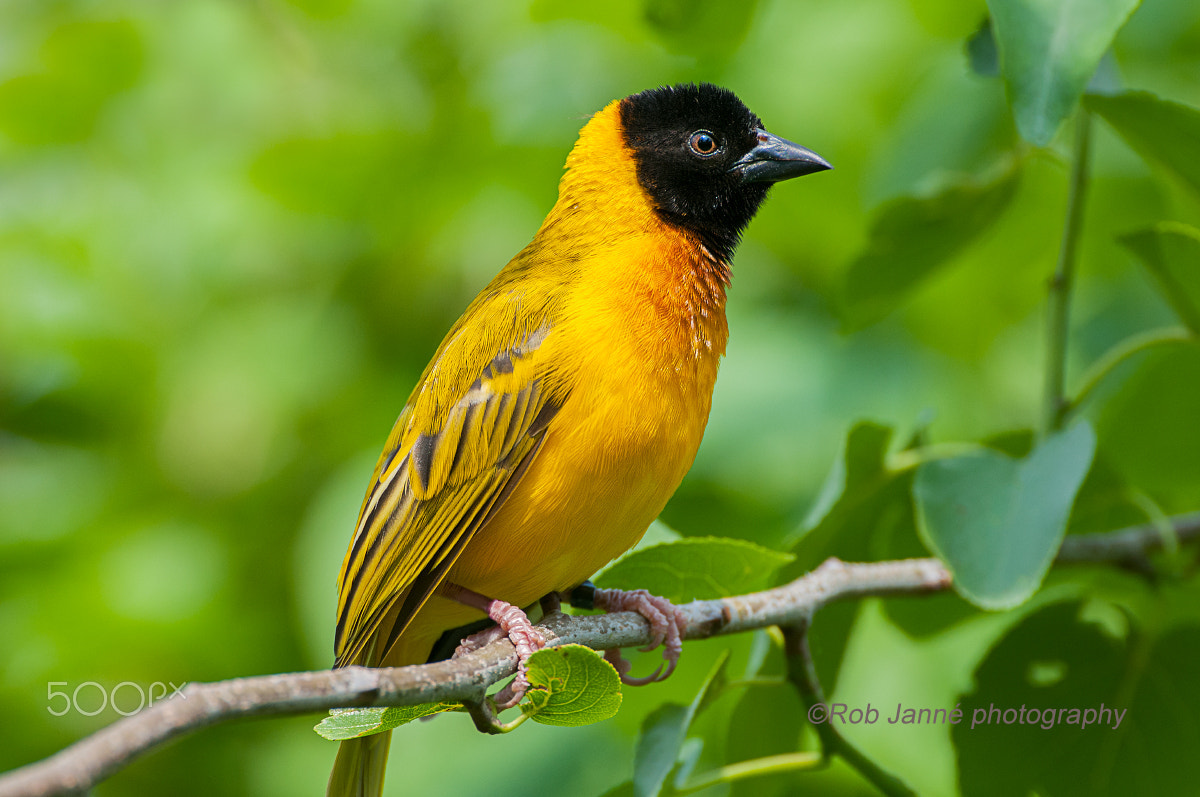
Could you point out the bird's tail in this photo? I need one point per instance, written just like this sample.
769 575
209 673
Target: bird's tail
358 770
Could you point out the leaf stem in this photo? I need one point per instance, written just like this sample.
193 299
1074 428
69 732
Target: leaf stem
483 712
915 457
1058 306
757 767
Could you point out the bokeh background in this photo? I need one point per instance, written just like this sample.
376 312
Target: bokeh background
232 234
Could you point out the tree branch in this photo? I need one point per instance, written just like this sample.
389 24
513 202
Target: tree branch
87 762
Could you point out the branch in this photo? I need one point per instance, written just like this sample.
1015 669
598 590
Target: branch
87 762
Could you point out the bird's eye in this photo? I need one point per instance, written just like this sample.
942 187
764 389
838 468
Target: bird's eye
703 143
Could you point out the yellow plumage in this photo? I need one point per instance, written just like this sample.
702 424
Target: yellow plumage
618 348
565 406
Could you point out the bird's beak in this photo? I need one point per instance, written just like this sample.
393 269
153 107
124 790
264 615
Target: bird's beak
774 159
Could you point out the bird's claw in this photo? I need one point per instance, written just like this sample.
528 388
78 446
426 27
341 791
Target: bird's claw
666 626
511 622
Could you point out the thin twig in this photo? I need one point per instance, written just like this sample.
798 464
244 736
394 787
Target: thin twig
803 675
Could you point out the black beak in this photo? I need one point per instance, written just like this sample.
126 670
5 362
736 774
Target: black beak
774 159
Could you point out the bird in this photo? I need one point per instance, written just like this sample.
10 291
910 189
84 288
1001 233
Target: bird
565 406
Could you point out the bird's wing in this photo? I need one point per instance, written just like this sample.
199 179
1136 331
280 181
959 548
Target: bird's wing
470 430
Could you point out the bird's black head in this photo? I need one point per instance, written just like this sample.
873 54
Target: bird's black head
705 161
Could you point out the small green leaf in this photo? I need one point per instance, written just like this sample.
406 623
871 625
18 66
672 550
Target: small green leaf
695 568
350 723
1049 50
664 731
914 237
1171 251
571 685
996 521
1160 131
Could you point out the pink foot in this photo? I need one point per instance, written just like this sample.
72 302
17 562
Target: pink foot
510 621
666 623
478 640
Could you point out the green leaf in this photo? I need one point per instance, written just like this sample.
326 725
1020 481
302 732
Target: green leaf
767 720
858 467
1171 252
350 723
1148 431
912 238
996 521
664 731
695 568
1083 656
859 496
571 685
1161 131
896 537
1049 50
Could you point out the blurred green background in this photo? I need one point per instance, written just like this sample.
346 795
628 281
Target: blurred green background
232 234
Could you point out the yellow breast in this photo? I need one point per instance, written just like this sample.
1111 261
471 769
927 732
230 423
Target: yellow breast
637 337
643 342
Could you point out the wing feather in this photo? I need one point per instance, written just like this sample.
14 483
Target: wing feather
452 459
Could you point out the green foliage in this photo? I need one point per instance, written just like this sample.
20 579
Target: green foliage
696 568
1049 50
350 723
860 502
1171 252
997 522
570 686
1163 132
912 238
84 65
663 734
231 234
1147 427
1076 664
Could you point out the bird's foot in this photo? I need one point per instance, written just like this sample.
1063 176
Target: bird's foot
666 623
512 622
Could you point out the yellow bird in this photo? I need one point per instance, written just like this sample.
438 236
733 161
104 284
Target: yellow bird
564 407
